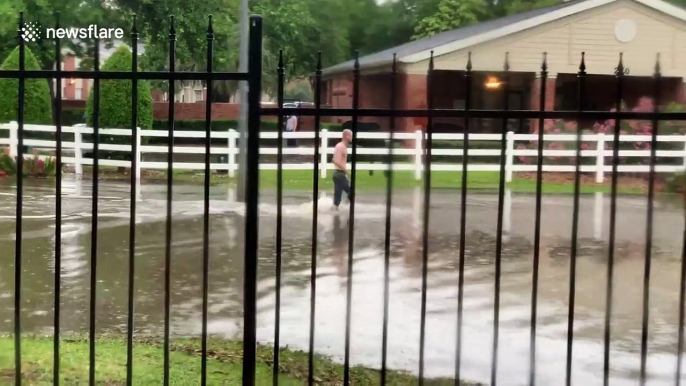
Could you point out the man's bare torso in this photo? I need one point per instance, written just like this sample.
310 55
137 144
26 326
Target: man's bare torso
340 154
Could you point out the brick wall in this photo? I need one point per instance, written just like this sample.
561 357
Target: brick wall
73 104
535 102
195 111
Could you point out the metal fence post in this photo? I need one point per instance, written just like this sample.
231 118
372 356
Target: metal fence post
322 152
138 153
600 159
418 155
509 160
252 191
232 152
78 153
14 128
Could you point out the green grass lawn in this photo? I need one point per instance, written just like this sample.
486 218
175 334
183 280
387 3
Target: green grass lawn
224 366
485 181
303 180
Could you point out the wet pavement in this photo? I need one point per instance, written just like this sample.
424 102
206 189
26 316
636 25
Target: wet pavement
226 276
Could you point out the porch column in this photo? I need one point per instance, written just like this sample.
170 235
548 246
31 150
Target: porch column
550 91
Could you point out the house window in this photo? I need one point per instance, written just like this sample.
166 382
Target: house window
198 95
78 94
64 92
183 97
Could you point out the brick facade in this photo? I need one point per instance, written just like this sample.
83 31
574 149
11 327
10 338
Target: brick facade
71 85
73 104
681 93
535 102
195 111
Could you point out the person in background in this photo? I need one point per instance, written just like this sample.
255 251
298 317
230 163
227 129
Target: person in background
291 127
340 176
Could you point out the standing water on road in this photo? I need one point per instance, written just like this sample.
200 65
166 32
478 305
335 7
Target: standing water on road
226 276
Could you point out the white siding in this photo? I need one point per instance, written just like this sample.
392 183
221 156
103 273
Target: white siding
592 32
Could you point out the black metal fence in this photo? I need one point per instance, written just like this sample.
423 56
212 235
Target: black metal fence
253 77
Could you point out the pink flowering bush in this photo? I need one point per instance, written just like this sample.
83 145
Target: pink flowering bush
630 127
558 126
38 167
33 167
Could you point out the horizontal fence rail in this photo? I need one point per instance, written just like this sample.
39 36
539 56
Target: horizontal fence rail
413 153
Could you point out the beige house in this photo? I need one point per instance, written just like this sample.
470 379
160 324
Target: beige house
602 29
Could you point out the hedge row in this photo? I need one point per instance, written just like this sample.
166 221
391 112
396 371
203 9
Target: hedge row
223 125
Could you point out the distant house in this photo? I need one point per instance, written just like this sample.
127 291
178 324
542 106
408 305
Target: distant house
79 89
640 29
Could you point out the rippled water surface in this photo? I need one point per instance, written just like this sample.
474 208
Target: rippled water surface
226 276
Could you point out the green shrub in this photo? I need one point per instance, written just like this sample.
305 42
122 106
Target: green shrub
37 100
224 124
115 102
219 125
72 116
7 165
676 183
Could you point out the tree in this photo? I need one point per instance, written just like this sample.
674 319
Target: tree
190 24
301 91
37 101
451 14
300 28
519 6
116 96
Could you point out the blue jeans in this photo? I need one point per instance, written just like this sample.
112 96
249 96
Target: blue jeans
340 185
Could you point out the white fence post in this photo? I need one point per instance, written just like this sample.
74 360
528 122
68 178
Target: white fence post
685 152
416 207
509 157
14 138
138 153
600 159
598 216
78 153
418 147
232 152
323 156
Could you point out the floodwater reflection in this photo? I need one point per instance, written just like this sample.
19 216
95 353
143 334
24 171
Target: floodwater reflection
226 276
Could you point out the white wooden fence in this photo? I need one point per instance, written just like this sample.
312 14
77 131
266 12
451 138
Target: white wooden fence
328 139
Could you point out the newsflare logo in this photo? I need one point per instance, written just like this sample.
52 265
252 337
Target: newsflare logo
32 32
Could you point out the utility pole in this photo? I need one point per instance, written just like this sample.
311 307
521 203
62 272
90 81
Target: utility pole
243 107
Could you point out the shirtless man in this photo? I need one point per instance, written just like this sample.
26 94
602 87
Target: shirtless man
340 177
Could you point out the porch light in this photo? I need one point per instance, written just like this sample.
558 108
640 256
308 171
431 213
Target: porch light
492 83
72 81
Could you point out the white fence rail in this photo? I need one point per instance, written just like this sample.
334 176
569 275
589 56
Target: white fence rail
413 153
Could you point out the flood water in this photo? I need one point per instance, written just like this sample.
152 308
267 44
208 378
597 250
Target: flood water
226 276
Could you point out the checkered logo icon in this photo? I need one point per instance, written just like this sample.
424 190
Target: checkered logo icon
30 32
